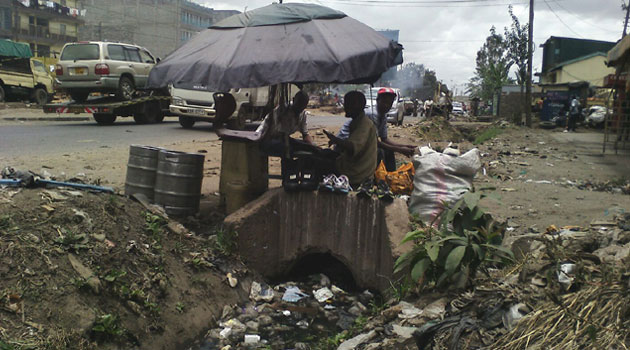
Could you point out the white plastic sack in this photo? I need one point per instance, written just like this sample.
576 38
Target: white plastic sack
441 178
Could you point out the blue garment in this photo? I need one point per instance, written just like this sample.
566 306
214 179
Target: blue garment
379 122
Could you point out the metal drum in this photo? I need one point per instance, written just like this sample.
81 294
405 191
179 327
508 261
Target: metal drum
141 170
178 182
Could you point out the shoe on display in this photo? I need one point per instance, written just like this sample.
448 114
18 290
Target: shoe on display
328 184
383 192
342 185
366 189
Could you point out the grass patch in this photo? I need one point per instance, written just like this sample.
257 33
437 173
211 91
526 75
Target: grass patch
487 134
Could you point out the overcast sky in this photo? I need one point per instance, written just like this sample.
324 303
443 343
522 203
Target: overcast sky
445 35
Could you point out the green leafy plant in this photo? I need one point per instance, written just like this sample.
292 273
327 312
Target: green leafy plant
464 240
114 274
107 326
180 307
487 134
226 241
5 346
71 240
153 225
5 221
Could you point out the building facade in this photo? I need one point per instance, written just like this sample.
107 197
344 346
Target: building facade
45 25
159 25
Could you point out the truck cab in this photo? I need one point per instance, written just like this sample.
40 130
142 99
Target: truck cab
197 104
20 73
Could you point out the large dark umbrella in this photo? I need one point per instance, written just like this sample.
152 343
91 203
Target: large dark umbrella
279 43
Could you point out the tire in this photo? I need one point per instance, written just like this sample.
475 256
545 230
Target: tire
150 113
186 122
104 119
40 96
79 96
126 89
3 95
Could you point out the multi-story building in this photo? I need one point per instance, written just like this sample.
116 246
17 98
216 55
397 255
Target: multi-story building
45 25
159 25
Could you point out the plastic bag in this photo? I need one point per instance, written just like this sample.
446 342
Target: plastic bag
400 181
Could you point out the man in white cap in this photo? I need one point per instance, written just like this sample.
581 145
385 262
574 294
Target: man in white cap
386 147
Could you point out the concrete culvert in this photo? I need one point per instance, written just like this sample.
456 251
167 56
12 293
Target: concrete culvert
312 264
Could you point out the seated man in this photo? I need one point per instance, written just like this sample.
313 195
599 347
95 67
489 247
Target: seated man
285 121
386 147
358 151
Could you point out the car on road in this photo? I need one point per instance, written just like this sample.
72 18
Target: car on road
458 108
396 114
21 74
106 67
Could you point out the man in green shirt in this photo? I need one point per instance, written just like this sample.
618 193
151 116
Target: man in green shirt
359 151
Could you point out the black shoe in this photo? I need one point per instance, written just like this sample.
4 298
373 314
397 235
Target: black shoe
366 189
383 192
308 180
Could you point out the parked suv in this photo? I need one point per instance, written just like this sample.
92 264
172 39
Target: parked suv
95 66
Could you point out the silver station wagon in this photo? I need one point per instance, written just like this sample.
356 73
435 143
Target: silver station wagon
86 67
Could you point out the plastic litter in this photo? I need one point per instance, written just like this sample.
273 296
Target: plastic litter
514 313
565 273
260 292
293 295
323 294
225 332
408 311
251 338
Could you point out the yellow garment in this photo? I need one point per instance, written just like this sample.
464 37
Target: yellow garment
359 165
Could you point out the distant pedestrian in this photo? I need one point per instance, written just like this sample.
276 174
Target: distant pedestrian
574 113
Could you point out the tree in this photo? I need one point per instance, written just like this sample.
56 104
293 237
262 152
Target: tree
429 85
493 67
516 42
410 79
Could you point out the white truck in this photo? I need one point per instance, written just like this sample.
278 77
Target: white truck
197 104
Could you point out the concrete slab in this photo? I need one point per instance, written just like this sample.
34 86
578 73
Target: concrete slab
279 228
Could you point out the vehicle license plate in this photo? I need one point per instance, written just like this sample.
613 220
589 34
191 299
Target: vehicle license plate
196 111
80 71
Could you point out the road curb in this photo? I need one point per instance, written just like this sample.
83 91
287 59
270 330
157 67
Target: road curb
43 119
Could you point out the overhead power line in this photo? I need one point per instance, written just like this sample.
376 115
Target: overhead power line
583 20
561 21
431 4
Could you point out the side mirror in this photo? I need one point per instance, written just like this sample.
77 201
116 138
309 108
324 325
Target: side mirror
157 60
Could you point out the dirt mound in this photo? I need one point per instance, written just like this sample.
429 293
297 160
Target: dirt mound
95 271
438 129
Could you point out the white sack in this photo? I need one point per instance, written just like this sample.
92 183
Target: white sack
441 178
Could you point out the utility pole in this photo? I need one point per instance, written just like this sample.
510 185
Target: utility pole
625 24
100 31
528 86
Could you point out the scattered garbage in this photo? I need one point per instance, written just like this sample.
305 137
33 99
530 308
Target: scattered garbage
323 294
293 294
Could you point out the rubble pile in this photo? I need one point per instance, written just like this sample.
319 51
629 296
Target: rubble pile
438 129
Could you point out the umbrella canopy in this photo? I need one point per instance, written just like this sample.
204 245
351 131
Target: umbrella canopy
279 43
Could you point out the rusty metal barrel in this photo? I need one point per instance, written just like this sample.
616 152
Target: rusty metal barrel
178 182
141 170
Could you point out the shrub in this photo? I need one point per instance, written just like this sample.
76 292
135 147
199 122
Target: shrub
464 240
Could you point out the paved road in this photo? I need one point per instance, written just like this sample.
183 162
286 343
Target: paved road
49 137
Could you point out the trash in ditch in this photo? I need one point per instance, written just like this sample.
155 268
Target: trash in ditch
225 333
260 292
409 311
293 295
514 313
251 339
323 294
565 273
232 281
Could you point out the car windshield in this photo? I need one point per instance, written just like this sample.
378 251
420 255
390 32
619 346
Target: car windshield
80 52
